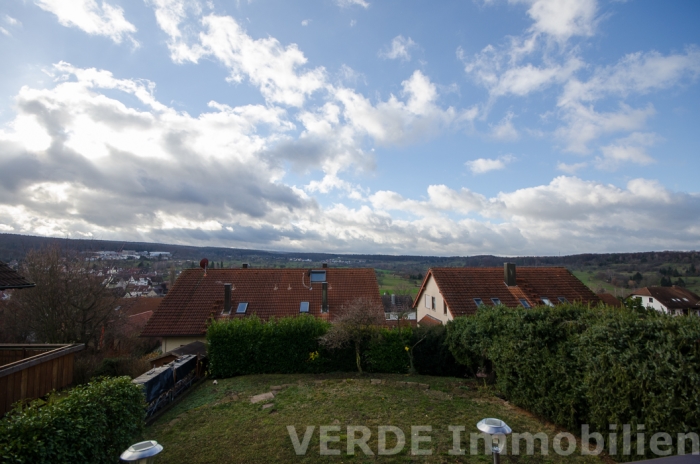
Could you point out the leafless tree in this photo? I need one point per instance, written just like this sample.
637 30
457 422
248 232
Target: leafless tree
357 321
70 304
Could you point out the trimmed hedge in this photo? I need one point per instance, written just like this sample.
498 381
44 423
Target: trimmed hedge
575 365
92 423
289 345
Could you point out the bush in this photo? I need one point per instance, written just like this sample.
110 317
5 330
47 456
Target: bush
387 351
289 345
601 366
432 355
91 423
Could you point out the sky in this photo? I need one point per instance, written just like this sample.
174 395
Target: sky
465 127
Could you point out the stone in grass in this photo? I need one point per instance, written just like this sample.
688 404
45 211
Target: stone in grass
268 406
376 381
411 384
262 397
424 386
281 387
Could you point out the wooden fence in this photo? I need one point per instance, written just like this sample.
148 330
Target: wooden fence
32 371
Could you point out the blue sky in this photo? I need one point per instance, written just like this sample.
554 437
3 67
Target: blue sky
510 127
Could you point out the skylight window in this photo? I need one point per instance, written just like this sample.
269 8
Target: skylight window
496 301
563 299
685 299
478 301
304 307
242 307
525 304
546 301
318 276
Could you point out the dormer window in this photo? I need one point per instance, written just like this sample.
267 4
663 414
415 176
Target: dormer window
546 301
242 308
318 276
304 307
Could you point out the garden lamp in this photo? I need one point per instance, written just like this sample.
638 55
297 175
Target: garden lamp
143 452
498 431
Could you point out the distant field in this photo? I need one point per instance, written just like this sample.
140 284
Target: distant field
390 282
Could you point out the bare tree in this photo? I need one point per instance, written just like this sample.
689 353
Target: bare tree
70 303
356 323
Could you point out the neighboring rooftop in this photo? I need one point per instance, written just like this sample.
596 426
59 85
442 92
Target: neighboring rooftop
196 296
462 288
9 278
672 297
610 300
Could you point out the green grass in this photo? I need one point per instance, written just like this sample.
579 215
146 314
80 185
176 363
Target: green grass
391 283
218 423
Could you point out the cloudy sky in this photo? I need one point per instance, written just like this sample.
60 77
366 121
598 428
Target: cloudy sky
460 127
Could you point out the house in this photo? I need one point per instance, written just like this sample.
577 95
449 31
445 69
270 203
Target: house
669 300
10 279
610 300
222 294
450 292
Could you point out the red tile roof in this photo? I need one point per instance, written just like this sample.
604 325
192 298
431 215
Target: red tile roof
610 300
137 312
429 320
9 278
459 287
671 297
269 292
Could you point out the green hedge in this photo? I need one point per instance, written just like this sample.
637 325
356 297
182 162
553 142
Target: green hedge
387 351
91 423
288 345
575 365
432 355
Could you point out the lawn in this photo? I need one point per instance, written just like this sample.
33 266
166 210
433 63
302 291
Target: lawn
218 423
391 283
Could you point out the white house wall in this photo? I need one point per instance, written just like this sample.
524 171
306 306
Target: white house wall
432 290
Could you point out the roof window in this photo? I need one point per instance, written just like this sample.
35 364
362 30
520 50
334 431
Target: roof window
304 307
242 307
525 304
562 299
478 301
546 301
318 276
685 299
496 301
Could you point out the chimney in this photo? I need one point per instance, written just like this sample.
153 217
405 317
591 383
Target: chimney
244 266
509 274
324 297
324 265
393 299
227 298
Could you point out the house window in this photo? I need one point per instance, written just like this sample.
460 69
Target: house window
651 300
242 307
318 276
304 307
563 299
525 304
546 301
432 304
444 307
478 301
428 301
496 301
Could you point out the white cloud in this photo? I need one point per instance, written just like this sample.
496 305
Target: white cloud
628 149
562 19
348 3
399 49
12 21
505 130
306 22
483 165
94 19
571 168
5 31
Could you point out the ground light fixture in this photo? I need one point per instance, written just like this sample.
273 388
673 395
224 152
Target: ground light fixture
143 452
498 431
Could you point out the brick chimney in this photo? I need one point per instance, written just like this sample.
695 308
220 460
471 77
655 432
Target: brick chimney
227 298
